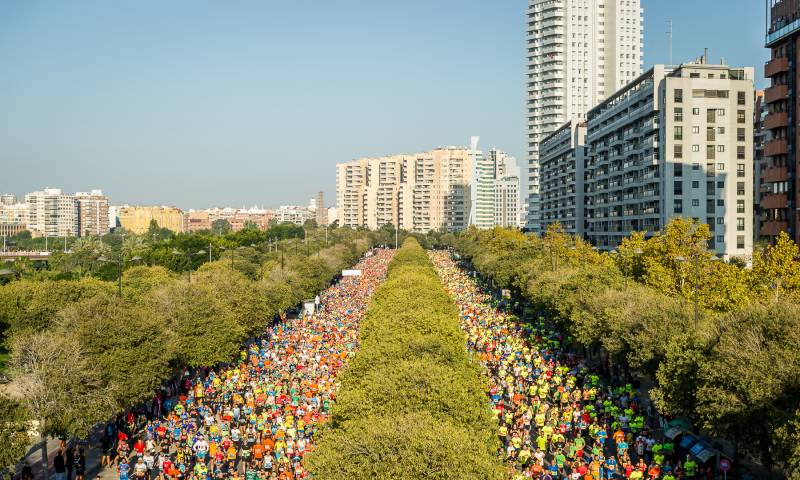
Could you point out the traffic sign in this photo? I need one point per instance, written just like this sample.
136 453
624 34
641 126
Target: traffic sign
724 465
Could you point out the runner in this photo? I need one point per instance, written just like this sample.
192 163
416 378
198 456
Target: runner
548 402
256 418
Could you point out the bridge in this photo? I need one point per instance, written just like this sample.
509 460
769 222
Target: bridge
8 255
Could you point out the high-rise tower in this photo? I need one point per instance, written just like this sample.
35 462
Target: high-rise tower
577 53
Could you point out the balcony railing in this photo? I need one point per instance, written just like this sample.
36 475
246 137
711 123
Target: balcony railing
776 66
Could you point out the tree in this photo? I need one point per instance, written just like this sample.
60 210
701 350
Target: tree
203 331
220 226
126 342
14 438
776 267
62 388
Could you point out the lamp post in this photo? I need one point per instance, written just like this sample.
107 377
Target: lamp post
119 261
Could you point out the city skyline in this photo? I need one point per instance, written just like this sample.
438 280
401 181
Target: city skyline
170 112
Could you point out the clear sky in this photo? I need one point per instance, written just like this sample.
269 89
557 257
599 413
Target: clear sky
201 103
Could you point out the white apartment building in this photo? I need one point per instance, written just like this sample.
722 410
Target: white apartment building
562 161
678 141
578 52
506 202
52 213
495 178
13 216
420 192
293 214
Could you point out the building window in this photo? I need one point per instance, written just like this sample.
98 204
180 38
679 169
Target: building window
720 112
710 206
740 224
678 206
677 169
710 134
721 184
695 111
740 241
678 95
695 129
678 151
740 153
741 117
695 184
721 130
741 98
678 114
695 202
677 188
740 169
720 220
695 148
711 115
696 166
740 135
678 133
710 152
739 188
720 166
739 206
720 238
720 148
720 202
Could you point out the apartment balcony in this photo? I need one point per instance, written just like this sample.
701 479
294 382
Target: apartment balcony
776 93
776 120
775 174
777 146
778 200
776 66
773 228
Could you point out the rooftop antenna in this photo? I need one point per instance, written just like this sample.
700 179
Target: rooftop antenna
669 36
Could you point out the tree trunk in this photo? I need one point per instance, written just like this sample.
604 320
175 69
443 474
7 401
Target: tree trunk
45 460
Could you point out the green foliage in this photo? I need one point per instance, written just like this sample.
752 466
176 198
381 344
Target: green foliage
411 385
14 438
220 226
127 344
735 369
31 305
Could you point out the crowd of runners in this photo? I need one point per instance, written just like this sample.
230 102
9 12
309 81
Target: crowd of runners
255 418
558 419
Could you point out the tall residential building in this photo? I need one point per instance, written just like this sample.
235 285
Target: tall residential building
321 213
495 178
562 160
137 219
52 213
578 52
92 213
8 199
420 192
761 136
678 141
780 183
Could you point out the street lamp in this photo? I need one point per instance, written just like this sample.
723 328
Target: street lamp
119 261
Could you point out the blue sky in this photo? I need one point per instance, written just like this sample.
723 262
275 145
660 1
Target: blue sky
201 103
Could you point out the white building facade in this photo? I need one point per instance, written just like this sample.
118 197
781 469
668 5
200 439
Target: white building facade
52 213
677 142
578 52
563 159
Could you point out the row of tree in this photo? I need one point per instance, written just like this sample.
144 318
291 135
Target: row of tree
412 403
81 352
720 338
